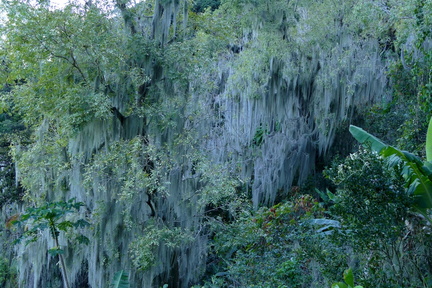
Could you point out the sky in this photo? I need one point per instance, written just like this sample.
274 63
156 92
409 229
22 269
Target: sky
60 3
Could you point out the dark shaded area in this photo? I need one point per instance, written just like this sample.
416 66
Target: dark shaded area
10 127
201 5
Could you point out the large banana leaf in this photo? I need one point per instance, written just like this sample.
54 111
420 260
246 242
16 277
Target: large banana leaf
120 280
368 139
429 142
417 174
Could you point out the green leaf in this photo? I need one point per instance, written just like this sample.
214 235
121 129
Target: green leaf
30 240
349 277
339 285
83 239
323 195
416 173
120 280
329 225
24 217
65 225
55 251
331 196
75 205
323 221
368 139
429 142
81 223
427 168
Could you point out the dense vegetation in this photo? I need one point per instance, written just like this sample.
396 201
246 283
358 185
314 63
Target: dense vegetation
176 143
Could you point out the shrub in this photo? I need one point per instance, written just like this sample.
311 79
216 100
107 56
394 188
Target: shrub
374 209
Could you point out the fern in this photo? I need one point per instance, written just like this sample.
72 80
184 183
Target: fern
120 280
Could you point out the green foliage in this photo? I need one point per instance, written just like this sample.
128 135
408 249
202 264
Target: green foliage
429 142
10 191
11 130
52 217
10 124
373 207
142 250
201 5
262 132
68 68
349 280
370 198
410 73
127 163
4 271
58 67
417 174
273 247
120 280
8 273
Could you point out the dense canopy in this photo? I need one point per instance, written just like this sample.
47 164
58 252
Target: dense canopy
173 143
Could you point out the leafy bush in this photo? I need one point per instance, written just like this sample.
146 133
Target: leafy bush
370 198
374 209
272 247
368 225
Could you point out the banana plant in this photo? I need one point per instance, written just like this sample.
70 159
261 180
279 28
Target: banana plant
417 173
120 280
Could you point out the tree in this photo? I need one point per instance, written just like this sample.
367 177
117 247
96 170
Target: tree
112 107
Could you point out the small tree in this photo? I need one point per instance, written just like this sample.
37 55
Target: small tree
51 216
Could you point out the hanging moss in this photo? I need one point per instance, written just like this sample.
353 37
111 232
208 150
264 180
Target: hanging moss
181 123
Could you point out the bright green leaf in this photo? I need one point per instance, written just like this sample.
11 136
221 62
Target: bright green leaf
368 139
339 285
429 142
349 277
